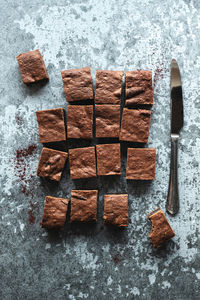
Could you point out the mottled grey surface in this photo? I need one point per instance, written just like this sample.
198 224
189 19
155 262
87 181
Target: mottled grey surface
96 262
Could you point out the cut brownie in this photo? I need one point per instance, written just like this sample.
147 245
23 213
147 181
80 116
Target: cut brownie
54 214
141 163
77 84
82 163
32 67
51 164
135 125
107 121
161 231
80 121
108 159
116 210
51 125
83 205
108 87
139 89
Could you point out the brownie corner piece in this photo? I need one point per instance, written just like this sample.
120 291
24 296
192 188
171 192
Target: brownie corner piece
161 231
83 206
32 67
116 210
51 164
54 213
141 163
51 125
77 84
108 159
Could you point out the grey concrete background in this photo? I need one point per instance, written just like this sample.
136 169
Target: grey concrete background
95 262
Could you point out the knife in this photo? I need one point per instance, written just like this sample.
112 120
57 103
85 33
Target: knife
172 206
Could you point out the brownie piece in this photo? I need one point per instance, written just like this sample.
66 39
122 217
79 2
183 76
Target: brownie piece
51 125
80 121
108 159
54 214
51 164
32 67
139 89
135 125
116 210
82 162
77 84
107 121
108 87
161 231
83 205
141 163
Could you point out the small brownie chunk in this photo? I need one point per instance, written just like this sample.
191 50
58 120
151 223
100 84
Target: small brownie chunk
141 163
107 121
161 231
139 89
135 125
83 205
32 67
116 210
108 87
51 125
82 162
80 122
77 84
108 159
54 214
51 164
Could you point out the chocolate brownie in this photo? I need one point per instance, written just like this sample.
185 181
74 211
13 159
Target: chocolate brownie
54 214
107 121
108 87
116 210
51 164
139 89
77 84
83 205
161 231
51 125
32 67
141 163
108 159
80 121
82 162
135 125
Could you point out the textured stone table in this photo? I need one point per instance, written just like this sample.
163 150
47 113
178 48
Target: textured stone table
95 262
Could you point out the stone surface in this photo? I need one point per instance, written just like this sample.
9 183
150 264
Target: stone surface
94 262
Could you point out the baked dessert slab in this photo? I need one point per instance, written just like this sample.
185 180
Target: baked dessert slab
108 159
116 210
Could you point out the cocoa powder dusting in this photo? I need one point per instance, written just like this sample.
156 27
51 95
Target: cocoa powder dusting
32 217
158 74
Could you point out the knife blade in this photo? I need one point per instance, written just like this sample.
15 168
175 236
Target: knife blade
172 206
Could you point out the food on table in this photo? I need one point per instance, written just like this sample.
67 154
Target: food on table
108 159
77 84
51 125
116 210
32 67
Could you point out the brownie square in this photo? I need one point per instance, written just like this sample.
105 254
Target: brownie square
83 205
54 214
80 121
116 210
108 87
135 125
141 163
82 162
161 231
32 67
51 125
107 121
51 164
77 84
139 89
108 159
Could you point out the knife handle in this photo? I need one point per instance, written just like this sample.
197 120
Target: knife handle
173 197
